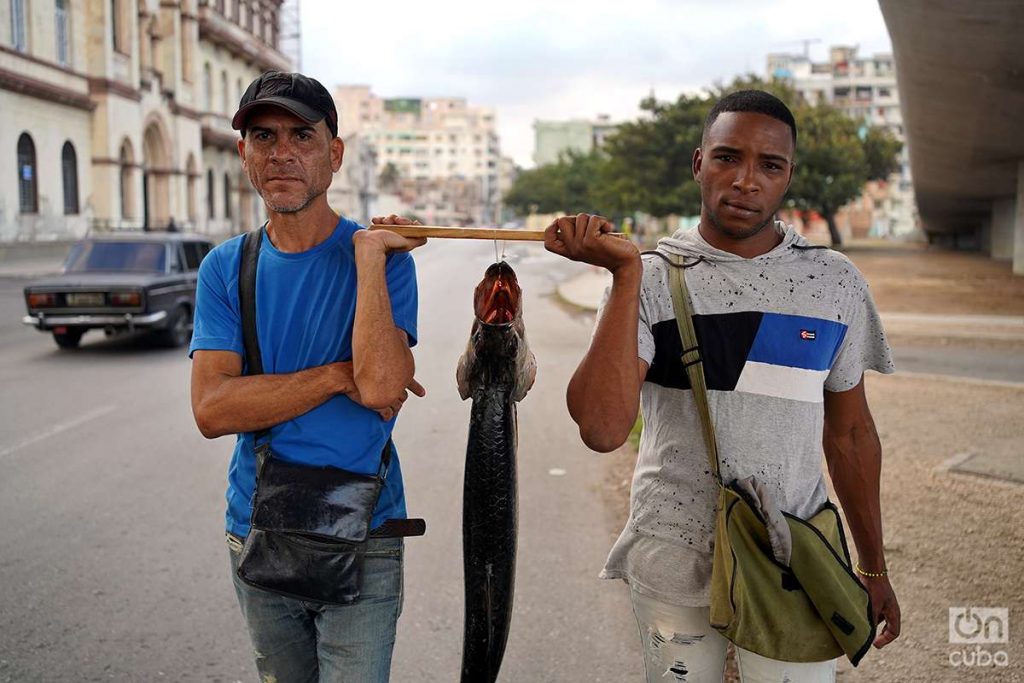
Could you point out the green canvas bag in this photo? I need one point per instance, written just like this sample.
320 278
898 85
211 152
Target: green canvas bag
812 608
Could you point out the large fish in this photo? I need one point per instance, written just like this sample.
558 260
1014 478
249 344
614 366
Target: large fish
496 371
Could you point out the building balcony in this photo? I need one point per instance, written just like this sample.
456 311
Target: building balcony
217 29
217 131
23 73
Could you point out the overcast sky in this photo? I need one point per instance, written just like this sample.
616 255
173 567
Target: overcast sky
551 59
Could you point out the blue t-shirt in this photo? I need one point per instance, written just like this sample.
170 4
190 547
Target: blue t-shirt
306 304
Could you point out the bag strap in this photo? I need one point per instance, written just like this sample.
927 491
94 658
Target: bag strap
250 339
691 357
251 245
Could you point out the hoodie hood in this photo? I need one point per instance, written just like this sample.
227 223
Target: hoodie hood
688 242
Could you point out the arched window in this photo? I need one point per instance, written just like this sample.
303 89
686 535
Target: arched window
19 32
210 199
69 171
28 198
227 195
126 186
63 33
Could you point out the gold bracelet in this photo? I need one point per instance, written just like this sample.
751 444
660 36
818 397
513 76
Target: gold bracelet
873 575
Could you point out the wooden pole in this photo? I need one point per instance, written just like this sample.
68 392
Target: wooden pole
448 232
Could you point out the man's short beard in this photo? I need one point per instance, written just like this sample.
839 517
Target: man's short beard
745 234
293 208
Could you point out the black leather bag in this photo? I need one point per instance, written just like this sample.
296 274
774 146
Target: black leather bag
309 528
309 525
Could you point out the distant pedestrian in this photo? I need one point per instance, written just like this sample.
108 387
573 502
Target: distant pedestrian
337 366
786 331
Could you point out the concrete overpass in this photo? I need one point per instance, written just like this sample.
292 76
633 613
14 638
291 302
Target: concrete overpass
960 66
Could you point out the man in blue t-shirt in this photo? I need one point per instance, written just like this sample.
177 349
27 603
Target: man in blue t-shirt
336 317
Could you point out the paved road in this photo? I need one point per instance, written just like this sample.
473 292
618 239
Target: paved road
996 364
112 561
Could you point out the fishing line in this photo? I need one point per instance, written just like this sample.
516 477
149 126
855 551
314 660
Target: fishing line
498 258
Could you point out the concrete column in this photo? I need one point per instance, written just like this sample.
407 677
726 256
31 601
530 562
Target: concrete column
1018 230
1001 228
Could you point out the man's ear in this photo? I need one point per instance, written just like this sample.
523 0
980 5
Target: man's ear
792 172
337 153
241 151
698 160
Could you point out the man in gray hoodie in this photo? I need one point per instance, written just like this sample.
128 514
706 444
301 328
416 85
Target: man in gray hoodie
786 331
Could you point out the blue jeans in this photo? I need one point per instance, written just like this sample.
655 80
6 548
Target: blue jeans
308 642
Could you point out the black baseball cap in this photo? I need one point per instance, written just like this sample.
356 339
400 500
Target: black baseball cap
303 96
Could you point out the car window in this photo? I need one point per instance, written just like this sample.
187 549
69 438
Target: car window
115 256
175 251
194 253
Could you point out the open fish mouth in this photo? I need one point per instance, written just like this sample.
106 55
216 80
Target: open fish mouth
498 353
497 298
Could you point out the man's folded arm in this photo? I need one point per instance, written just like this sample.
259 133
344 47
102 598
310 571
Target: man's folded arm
226 402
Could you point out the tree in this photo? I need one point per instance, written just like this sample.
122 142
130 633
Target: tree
540 189
649 160
883 151
831 164
389 176
571 185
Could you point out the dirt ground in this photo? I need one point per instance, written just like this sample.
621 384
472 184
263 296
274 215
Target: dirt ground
920 279
952 540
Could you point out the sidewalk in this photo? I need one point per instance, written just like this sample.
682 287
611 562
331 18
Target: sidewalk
30 268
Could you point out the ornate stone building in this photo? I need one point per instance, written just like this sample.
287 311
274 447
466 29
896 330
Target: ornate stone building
117 113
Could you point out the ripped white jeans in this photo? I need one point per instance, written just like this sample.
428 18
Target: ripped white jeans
681 647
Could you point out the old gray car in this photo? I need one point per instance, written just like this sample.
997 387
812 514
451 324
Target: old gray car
122 282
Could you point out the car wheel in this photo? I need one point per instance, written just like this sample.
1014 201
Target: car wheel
69 339
179 329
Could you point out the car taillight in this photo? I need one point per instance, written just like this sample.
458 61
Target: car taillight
126 299
42 300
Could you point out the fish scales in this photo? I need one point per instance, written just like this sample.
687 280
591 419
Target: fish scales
496 372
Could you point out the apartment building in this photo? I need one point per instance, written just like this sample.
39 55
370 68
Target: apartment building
445 151
118 114
552 139
864 87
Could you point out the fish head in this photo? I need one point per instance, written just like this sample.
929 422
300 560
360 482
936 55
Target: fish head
498 298
498 354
